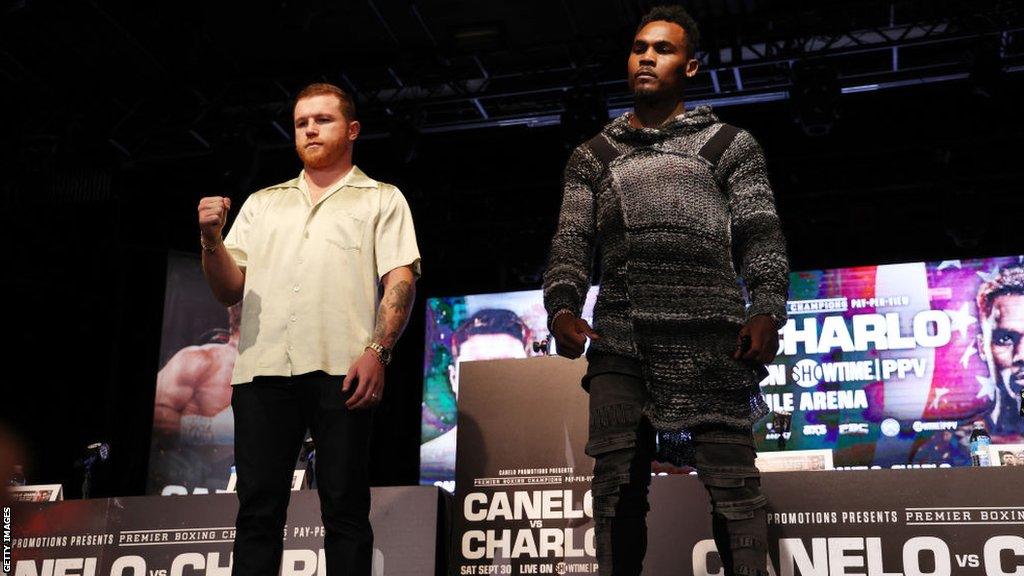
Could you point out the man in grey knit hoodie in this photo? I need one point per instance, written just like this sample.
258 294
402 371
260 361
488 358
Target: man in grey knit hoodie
666 197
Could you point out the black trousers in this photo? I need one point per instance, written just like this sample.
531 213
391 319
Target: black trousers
272 415
622 445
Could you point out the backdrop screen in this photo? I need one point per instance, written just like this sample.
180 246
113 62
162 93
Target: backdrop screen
193 425
888 366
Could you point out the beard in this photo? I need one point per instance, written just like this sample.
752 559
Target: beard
646 93
659 92
327 154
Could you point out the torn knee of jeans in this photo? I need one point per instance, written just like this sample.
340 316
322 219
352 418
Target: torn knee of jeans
606 443
739 509
619 415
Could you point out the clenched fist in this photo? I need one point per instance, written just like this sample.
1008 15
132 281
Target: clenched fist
213 213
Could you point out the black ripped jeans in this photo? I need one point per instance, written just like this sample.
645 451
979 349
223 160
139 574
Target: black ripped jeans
622 445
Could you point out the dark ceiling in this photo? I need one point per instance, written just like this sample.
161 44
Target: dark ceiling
148 81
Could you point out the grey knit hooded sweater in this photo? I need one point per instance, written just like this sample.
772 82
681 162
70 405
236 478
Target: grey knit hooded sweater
666 225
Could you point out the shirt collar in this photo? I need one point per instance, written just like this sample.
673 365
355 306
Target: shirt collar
355 178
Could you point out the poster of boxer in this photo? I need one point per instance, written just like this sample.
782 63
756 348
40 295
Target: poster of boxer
193 426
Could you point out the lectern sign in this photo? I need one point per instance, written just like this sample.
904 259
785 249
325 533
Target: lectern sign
523 502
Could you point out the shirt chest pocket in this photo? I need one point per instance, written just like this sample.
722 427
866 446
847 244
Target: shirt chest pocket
341 229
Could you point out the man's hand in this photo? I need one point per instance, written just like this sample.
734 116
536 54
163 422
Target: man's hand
764 340
571 334
368 374
213 213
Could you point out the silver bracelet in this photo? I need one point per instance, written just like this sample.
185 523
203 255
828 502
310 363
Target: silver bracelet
209 247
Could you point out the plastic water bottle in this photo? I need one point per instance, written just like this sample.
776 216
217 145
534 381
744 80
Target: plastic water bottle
979 445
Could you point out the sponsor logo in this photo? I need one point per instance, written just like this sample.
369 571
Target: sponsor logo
920 426
806 373
815 430
854 428
890 427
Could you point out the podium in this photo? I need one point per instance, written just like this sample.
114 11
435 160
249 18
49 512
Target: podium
522 498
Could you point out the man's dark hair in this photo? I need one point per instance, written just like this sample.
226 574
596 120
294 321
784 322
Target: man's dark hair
1009 280
492 321
676 15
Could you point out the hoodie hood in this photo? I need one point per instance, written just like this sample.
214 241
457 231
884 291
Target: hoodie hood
688 122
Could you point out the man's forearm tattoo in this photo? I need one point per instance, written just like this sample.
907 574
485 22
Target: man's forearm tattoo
393 313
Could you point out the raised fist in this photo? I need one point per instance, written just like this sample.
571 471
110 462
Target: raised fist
213 213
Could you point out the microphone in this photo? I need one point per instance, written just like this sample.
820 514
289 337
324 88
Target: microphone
309 456
94 453
542 346
97 452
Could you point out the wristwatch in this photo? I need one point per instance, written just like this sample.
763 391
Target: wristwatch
383 354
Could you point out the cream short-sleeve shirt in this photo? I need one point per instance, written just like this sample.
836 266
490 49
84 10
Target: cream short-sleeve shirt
312 272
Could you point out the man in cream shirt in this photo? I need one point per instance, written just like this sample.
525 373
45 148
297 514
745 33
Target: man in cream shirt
307 259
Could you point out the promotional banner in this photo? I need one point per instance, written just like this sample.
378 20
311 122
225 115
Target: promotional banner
152 536
887 366
193 425
890 365
941 522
